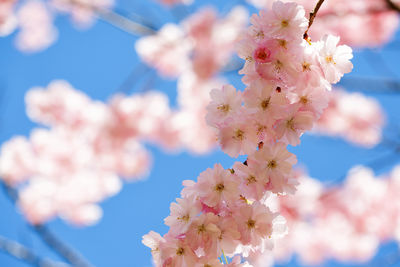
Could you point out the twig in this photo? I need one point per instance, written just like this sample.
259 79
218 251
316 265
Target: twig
371 84
392 5
53 242
26 255
123 23
313 14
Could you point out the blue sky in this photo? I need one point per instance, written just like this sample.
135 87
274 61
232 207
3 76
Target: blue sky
97 61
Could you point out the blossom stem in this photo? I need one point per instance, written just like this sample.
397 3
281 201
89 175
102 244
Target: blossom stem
313 14
226 260
392 5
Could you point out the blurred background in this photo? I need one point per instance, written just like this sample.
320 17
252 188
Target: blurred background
94 51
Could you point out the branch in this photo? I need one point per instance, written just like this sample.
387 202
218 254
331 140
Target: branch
66 252
371 84
51 240
313 14
22 253
123 23
392 5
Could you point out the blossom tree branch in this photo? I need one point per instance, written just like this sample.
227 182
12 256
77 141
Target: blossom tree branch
392 5
313 14
51 240
26 255
124 23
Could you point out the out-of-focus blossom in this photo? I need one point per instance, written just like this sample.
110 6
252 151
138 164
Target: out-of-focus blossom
346 222
175 2
203 43
34 19
167 51
83 12
8 20
353 116
36 27
360 23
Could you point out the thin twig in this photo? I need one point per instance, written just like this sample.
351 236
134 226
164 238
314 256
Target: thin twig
392 5
371 84
50 239
313 14
22 253
123 23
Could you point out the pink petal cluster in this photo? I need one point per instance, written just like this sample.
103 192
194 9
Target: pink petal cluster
353 116
194 52
83 12
34 19
360 23
89 144
175 2
36 29
202 42
345 223
288 82
8 20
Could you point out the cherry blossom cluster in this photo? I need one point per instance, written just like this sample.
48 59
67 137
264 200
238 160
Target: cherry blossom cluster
194 52
287 85
360 23
34 19
88 145
355 117
345 222
175 2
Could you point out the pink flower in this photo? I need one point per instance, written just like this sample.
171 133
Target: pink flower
254 222
293 125
217 186
153 241
203 235
334 59
182 214
238 137
253 180
225 103
287 20
277 161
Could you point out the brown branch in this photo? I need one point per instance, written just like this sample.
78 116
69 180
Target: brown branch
313 14
392 5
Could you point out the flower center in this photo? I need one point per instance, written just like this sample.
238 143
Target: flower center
284 23
272 164
329 59
265 103
251 223
306 66
251 179
184 218
201 229
239 134
304 100
224 108
219 187
290 124
282 43
180 251
262 54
